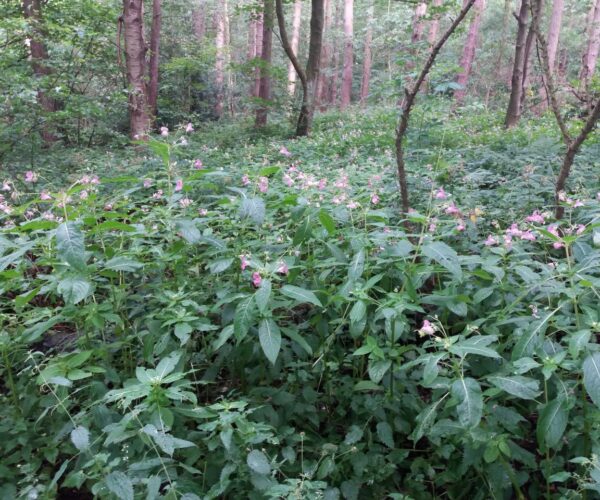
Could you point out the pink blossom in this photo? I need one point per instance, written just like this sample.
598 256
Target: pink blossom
185 202
387 230
284 151
147 183
527 235
179 185
263 184
48 216
44 196
164 131
558 244
287 180
30 176
440 194
322 184
158 194
283 268
203 212
536 218
83 195
562 196
244 262
452 209
108 207
553 229
508 241
342 182
577 204
4 207
374 199
245 180
427 329
514 230
189 128
256 279
432 227
198 165
6 186
490 241
461 226
580 228
353 204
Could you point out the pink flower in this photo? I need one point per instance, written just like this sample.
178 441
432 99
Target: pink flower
287 180
245 180
158 194
432 227
198 165
256 279
461 226
185 202
5 186
147 183
108 207
452 209
179 185
562 196
189 128
514 230
440 194
44 196
203 212
536 218
490 241
342 182
577 204
580 228
427 329
553 230
322 184
263 184
83 195
30 176
244 262
558 244
353 204
283 268
164 131
285 152
528 235
508 241
374 199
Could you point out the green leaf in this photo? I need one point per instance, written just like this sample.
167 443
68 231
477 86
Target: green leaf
80 437
377 369
218 266
119 485
9 259
303 232
443 255
188 231
258 462
357 266
122 263
470 401
578 341
591 377
521 387
244 316
296 337
262 296
327 221
167 365
70 245
385 434
475 345
532 337
358 311
425 420
354 435
552 423
74 289
270 339
112 225
302 295
253 208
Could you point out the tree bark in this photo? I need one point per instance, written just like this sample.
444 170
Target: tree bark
154 58
346 94
529 42
468 54
312 67
418 26
367 57
220 39
322 91
590 55
513 113
434 25
199 19
264 91
135 57
32 11
410 95
552 43
335 64
296 25
258 40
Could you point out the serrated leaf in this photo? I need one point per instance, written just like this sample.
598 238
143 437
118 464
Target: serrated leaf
302 295
358 311
119 485
357 266
258 462
385 434
253 208
188 231
327 221
80 437
74 289
521 387
470 401
475 345
244 317
443 255
270 339
354 435
425 420
591 377
262 296
122 263
377 369
531 339
218 266
70 245
552 423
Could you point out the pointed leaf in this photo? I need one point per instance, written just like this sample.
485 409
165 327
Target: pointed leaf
270 339
470 401
302 295
552 423
591 377
443 255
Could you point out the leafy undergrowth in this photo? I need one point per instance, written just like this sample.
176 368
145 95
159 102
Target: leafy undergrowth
221 314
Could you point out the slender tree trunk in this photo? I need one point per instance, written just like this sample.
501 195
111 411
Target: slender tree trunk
367 57
410 96
199 19
335 65
264 91
322 91
32 11
135 55
434 25
418 26
154 59
296 25
346 95
312 67
553 38
529 42
513 113
220 39
468 54
259 28
593 46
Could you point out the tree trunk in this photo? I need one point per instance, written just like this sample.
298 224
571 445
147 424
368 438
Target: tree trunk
529 42
593 46
468 54
434 25
135 56
312 67
264 91
553 38
346 94
418 26
258 40
220 38
322 91
367 57
199 19
296 24
513 113
335 64
32 11
154 59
